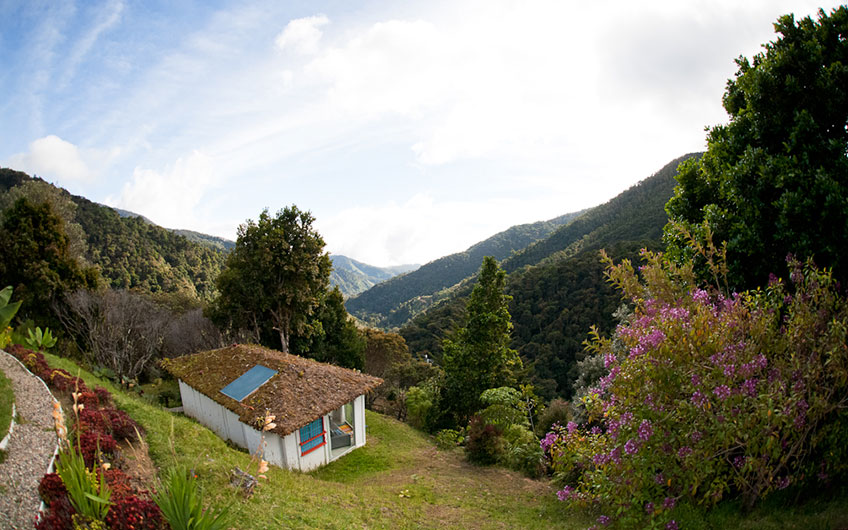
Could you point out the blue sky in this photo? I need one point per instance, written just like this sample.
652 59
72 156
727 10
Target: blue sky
410 130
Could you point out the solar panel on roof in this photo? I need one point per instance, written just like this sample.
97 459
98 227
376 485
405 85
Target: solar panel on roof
248 382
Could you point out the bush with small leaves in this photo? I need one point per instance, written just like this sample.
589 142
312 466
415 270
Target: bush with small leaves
51 488
484 444
133 513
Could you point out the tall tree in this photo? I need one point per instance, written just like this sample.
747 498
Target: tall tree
275 277
333 337
478 357
775 179
35 258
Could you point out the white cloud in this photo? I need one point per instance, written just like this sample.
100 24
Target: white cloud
170 197
301 35
52 157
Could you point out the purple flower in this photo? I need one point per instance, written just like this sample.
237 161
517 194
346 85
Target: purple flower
684 451
671 525
595 430
646 430
669 503
699 399
626 418
600 459
609 360
547 441
695 436
696 380
729 370
631 447
649 508
653 339
604 520
783 483
739 461
773 280
659 479
615 455
565 493
722 392
750 387
701 296
571 427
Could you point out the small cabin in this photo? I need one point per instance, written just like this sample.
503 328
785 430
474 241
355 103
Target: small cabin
319 408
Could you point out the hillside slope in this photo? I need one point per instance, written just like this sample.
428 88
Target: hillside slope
353 277
393 302
558 286
133 253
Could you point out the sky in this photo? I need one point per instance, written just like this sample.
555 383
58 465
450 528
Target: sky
410 130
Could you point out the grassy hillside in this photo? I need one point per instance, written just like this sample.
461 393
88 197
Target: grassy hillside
394 302
398 480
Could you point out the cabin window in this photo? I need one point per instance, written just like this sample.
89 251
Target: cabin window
312 436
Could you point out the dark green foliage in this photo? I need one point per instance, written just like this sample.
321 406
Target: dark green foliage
478 357
393 302
275 278
132 253
35 259
335 338
558 411
775 178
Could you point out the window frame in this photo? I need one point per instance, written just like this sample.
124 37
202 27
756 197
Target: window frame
310 430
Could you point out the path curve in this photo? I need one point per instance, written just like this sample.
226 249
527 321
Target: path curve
30 448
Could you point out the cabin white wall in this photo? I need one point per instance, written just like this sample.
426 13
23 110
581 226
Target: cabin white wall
359 421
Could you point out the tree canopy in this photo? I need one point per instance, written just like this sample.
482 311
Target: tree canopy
275 277
478 357
774 179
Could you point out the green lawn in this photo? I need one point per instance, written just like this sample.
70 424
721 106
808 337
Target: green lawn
7 397
399 480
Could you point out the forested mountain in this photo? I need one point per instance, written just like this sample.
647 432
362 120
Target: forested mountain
353 277
393 302
133 253
558 286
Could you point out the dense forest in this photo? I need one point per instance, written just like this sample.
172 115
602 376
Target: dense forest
131 253
392 303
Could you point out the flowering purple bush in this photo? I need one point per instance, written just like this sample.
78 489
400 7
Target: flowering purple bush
709 395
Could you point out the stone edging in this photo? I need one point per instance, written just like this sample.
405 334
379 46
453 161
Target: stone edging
51 465
8 436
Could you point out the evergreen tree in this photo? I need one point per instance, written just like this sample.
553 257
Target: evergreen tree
35 259
333 336
478 357
275 278
775 179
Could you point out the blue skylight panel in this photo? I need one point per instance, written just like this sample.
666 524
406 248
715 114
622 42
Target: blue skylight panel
248 382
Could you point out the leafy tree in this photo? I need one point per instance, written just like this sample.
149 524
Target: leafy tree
274 278
478 356
35 258
775 178
333 336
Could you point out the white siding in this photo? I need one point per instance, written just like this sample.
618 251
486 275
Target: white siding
359 421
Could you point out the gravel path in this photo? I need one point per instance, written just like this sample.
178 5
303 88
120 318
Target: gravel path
30 447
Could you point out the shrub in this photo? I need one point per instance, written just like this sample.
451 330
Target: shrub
449 438
132 513
110 421
59 516
484 444
558 411
90 442
710 395
51 488
119 483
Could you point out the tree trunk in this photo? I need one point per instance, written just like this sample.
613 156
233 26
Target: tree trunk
284 340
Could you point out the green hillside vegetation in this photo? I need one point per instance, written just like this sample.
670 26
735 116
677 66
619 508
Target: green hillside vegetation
398 480
134 254
558 287
394 302
205 239
353 277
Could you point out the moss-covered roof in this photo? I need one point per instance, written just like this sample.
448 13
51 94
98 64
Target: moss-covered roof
301 391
